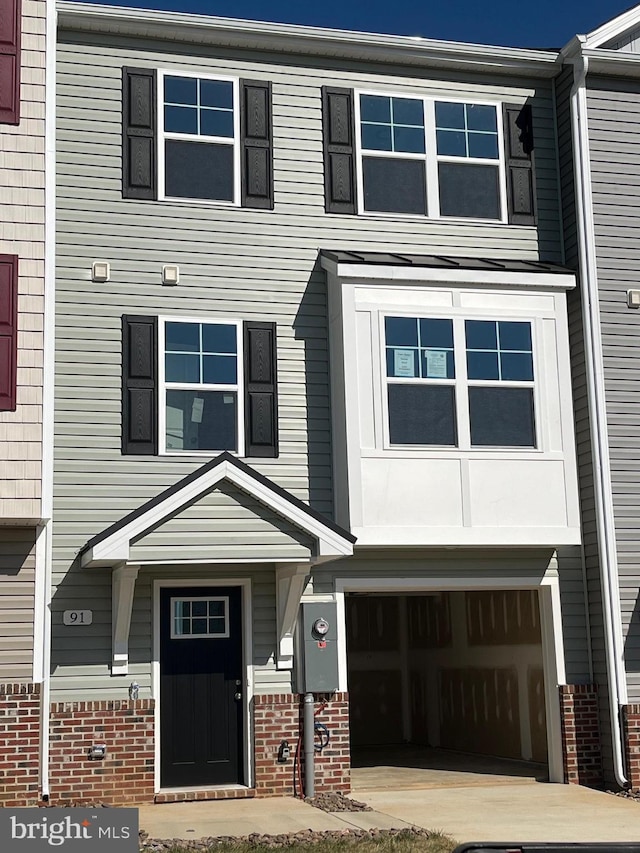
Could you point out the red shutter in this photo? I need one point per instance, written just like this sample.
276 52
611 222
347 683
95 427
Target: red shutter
8 331
10 61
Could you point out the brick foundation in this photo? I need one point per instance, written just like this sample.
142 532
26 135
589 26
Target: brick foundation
125 776
279 717
20 739
581 734
631 728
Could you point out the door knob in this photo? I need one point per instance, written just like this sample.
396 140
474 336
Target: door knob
238 696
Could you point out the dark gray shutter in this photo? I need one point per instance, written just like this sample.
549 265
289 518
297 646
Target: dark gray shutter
256 144
521 190
339 152
139 385
139 133
260 379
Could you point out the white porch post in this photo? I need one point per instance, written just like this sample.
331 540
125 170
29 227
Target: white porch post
123 582
290 583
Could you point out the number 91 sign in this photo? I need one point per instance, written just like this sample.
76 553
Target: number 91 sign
77 617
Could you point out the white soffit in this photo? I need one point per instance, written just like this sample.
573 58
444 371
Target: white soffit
112 546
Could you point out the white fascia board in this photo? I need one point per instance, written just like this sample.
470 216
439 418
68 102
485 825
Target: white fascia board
234 32
433 275
618 62
614 28
330 543
116 548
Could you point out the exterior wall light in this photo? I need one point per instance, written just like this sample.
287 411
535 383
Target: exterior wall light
100 271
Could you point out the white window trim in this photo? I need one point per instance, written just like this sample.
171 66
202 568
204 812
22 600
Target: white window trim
461 383
224 635
238 388
189 137
431 158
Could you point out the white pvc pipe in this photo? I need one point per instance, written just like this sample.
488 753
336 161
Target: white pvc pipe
616 674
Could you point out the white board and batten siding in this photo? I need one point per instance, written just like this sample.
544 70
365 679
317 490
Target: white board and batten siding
613 115
234 263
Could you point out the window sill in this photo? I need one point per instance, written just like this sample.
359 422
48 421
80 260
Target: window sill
419 217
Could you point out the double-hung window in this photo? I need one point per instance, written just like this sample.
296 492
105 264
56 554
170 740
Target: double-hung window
200 403
459 383
435 158
199 139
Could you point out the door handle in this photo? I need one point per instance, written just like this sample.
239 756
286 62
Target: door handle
238 696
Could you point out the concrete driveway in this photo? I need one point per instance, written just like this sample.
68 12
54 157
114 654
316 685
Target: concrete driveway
523 812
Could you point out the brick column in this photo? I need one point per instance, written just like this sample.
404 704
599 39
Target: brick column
125 775
20 749
631 723
278 717
581 734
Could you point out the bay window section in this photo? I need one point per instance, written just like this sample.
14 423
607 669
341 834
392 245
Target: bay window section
500 375
489 402
420 381
201 364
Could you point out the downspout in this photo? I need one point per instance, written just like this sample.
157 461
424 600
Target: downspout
48 381
616 676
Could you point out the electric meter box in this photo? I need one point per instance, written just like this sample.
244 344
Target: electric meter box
320 633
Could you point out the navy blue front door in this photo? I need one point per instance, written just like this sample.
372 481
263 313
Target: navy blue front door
201 686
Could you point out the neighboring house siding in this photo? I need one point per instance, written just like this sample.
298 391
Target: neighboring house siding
234 263
17 579
22 234
614 113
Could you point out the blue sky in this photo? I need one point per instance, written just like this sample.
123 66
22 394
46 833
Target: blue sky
543 23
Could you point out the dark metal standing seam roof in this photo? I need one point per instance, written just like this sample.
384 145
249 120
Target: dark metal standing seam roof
397 259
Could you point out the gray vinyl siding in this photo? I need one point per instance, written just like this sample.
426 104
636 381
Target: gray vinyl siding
614 113
234 263
81 656
224 525
17 602
595 642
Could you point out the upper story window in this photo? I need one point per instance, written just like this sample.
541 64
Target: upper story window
199 138
459 383
201 407
429 157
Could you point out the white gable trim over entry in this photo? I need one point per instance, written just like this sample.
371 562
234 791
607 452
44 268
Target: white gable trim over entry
112 547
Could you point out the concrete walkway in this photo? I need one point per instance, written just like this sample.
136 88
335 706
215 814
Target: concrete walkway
523 812
273 816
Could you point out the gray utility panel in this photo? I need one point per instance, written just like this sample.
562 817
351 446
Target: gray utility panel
320 637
